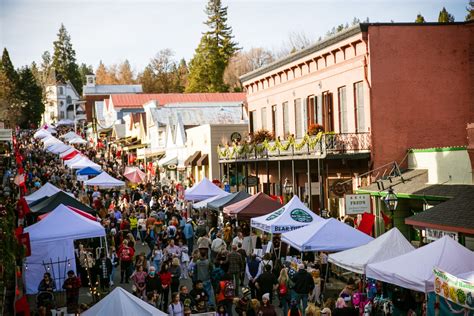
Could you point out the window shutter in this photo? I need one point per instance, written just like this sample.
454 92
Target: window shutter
320 109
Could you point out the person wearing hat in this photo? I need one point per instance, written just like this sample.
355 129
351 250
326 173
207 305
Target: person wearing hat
326 312
242 305
189 234
267 309
72 285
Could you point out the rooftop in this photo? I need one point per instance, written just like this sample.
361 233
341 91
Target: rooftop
138 100
106 89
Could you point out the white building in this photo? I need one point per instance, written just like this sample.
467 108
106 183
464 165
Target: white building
61 100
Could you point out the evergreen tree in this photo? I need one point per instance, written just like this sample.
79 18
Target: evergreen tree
216 48
470 11
8 69
32 96
420 19
148 80
445 16
85 70
64 60
180 76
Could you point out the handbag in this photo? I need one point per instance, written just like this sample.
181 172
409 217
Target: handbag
282 289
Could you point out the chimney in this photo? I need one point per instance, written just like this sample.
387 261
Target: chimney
470 147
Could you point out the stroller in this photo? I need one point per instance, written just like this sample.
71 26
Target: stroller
46 299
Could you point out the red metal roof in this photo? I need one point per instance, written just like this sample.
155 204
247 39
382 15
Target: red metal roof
137 100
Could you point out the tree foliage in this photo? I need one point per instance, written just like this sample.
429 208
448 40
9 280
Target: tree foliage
121 73
10 103
31 95
216 48
445 16
64 60
420 19
470 11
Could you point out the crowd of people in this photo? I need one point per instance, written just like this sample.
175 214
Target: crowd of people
182 246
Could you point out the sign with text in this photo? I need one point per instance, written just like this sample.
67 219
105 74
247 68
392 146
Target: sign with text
454 289
315 188
435 234
357 203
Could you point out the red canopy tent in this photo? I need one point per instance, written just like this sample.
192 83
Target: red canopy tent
78 211
253 206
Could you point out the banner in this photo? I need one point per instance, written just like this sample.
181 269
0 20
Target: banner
454 289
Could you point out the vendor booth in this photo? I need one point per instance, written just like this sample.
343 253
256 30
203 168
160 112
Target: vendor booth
104 180
328 235
52 247
46 190
220 203
83 163
88 171
42 133
255 205
119 302
387 246
202 190
203 204
57 199
77 141
289 217
134 175
69 135
58 148
69 154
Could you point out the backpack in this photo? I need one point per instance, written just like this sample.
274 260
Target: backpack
125 254
229 289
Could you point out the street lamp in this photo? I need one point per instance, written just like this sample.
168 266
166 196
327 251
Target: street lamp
288 188
391 202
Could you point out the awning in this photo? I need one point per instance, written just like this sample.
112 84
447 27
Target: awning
203 161
168 160
191 161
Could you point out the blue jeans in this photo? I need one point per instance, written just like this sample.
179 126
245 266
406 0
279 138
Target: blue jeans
302 298
157 264
208 288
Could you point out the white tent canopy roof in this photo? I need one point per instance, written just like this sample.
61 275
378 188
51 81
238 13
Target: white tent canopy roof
289 217
327 235
65 122
58 148
414 270
202 190
73 160
387 246
46 190
67 152
83 163
69 135
104 180
119 302
41 133
203 203
50 141
63 223
77 140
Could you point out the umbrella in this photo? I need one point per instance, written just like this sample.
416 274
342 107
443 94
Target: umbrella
135 175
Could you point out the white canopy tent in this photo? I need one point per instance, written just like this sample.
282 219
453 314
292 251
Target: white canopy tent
65 122
387 246
73 160
77 140
41 133
202 190
119 302
69 135
414 270
203 203
45 191
327 235
104 180
58 148
83 163
289 217
50 141
52 241
67 152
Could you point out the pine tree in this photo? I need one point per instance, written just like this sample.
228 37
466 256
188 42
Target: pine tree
180 77
10 103
216 48
7 67
445 16
85 70
420 19
148 80
32 96
64 60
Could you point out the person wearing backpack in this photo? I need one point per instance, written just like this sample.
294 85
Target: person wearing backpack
203 269
176 307
226 293
266 282
125 254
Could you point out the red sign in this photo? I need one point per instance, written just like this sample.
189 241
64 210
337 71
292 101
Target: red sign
24 239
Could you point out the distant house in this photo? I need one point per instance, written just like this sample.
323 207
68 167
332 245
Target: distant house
93 92
61 99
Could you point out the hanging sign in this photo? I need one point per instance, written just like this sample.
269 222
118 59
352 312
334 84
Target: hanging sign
435 234
454 289
357 203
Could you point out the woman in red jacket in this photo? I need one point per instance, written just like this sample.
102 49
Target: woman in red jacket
165 277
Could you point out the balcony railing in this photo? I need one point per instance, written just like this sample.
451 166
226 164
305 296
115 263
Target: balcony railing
318 146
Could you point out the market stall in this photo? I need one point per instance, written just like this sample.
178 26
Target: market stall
253 206
52 245
57 199
88 171
104 180
83 163
220 203
203 204
46 190
202 190
134 174
387 246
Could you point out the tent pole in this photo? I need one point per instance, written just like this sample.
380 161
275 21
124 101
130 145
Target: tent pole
106 246
326 277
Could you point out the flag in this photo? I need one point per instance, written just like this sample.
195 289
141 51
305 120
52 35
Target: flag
387 220
367 223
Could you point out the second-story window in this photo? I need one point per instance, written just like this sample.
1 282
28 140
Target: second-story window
359 107
274 120
298 119
343 123
60 90
286 119
264 117
252 121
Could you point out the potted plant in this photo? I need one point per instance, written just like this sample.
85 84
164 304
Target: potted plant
314 129
261 135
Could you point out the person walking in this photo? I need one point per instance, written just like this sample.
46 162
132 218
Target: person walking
125 254
218 245
176 307
104 269
267 309
266 282
284 290
235 267
189 234
153 284
203 269
303 286
165 277
253 271
72 285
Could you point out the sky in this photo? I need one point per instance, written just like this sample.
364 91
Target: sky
114 30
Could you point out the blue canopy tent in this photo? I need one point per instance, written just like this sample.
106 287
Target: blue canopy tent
88 171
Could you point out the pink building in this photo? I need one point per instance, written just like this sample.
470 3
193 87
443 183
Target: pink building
381 88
